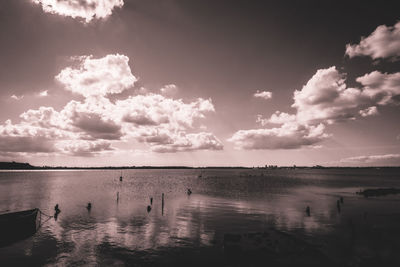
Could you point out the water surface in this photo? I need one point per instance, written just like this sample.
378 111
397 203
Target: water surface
223 201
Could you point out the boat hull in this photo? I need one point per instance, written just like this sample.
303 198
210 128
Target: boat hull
16 226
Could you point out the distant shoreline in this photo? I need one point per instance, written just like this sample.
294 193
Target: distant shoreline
26 166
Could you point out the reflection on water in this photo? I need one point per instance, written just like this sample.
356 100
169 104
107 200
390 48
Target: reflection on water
116 231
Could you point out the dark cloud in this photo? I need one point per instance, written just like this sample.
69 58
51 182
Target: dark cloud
96 127
28 144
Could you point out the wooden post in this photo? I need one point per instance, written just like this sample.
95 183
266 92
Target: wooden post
162 204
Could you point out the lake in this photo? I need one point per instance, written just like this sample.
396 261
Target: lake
224 201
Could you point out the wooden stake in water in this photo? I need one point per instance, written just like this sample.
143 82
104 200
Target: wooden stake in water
162 204
117 197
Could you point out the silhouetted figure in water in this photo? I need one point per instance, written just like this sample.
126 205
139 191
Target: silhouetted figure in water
148 208
151 201
308 211
117 197
89 206
338 205
189 192
341 200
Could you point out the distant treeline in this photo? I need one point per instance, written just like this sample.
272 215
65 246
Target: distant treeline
26 166
16 166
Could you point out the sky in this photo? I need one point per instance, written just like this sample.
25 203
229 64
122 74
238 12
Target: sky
200 82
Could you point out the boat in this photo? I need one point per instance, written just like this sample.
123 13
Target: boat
15 226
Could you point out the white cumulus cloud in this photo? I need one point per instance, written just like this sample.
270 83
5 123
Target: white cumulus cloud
95 123
384 88
190 142
84 148
98 77
263 94
324 99
82 9
326 96
43 93
384 42
169 90
288 136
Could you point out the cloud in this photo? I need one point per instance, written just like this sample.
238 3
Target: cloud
324 99
140 118
34 144
377 159
154 109
169 90
263 94
326 96
371 111
98 77
384 88
26 138
83 9
384 42
281 118
83 148
96 127
94 123
288 136
44 117
25 129
15 97
163 122
190 142
277 118
43 93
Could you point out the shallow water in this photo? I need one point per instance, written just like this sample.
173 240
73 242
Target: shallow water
223 201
